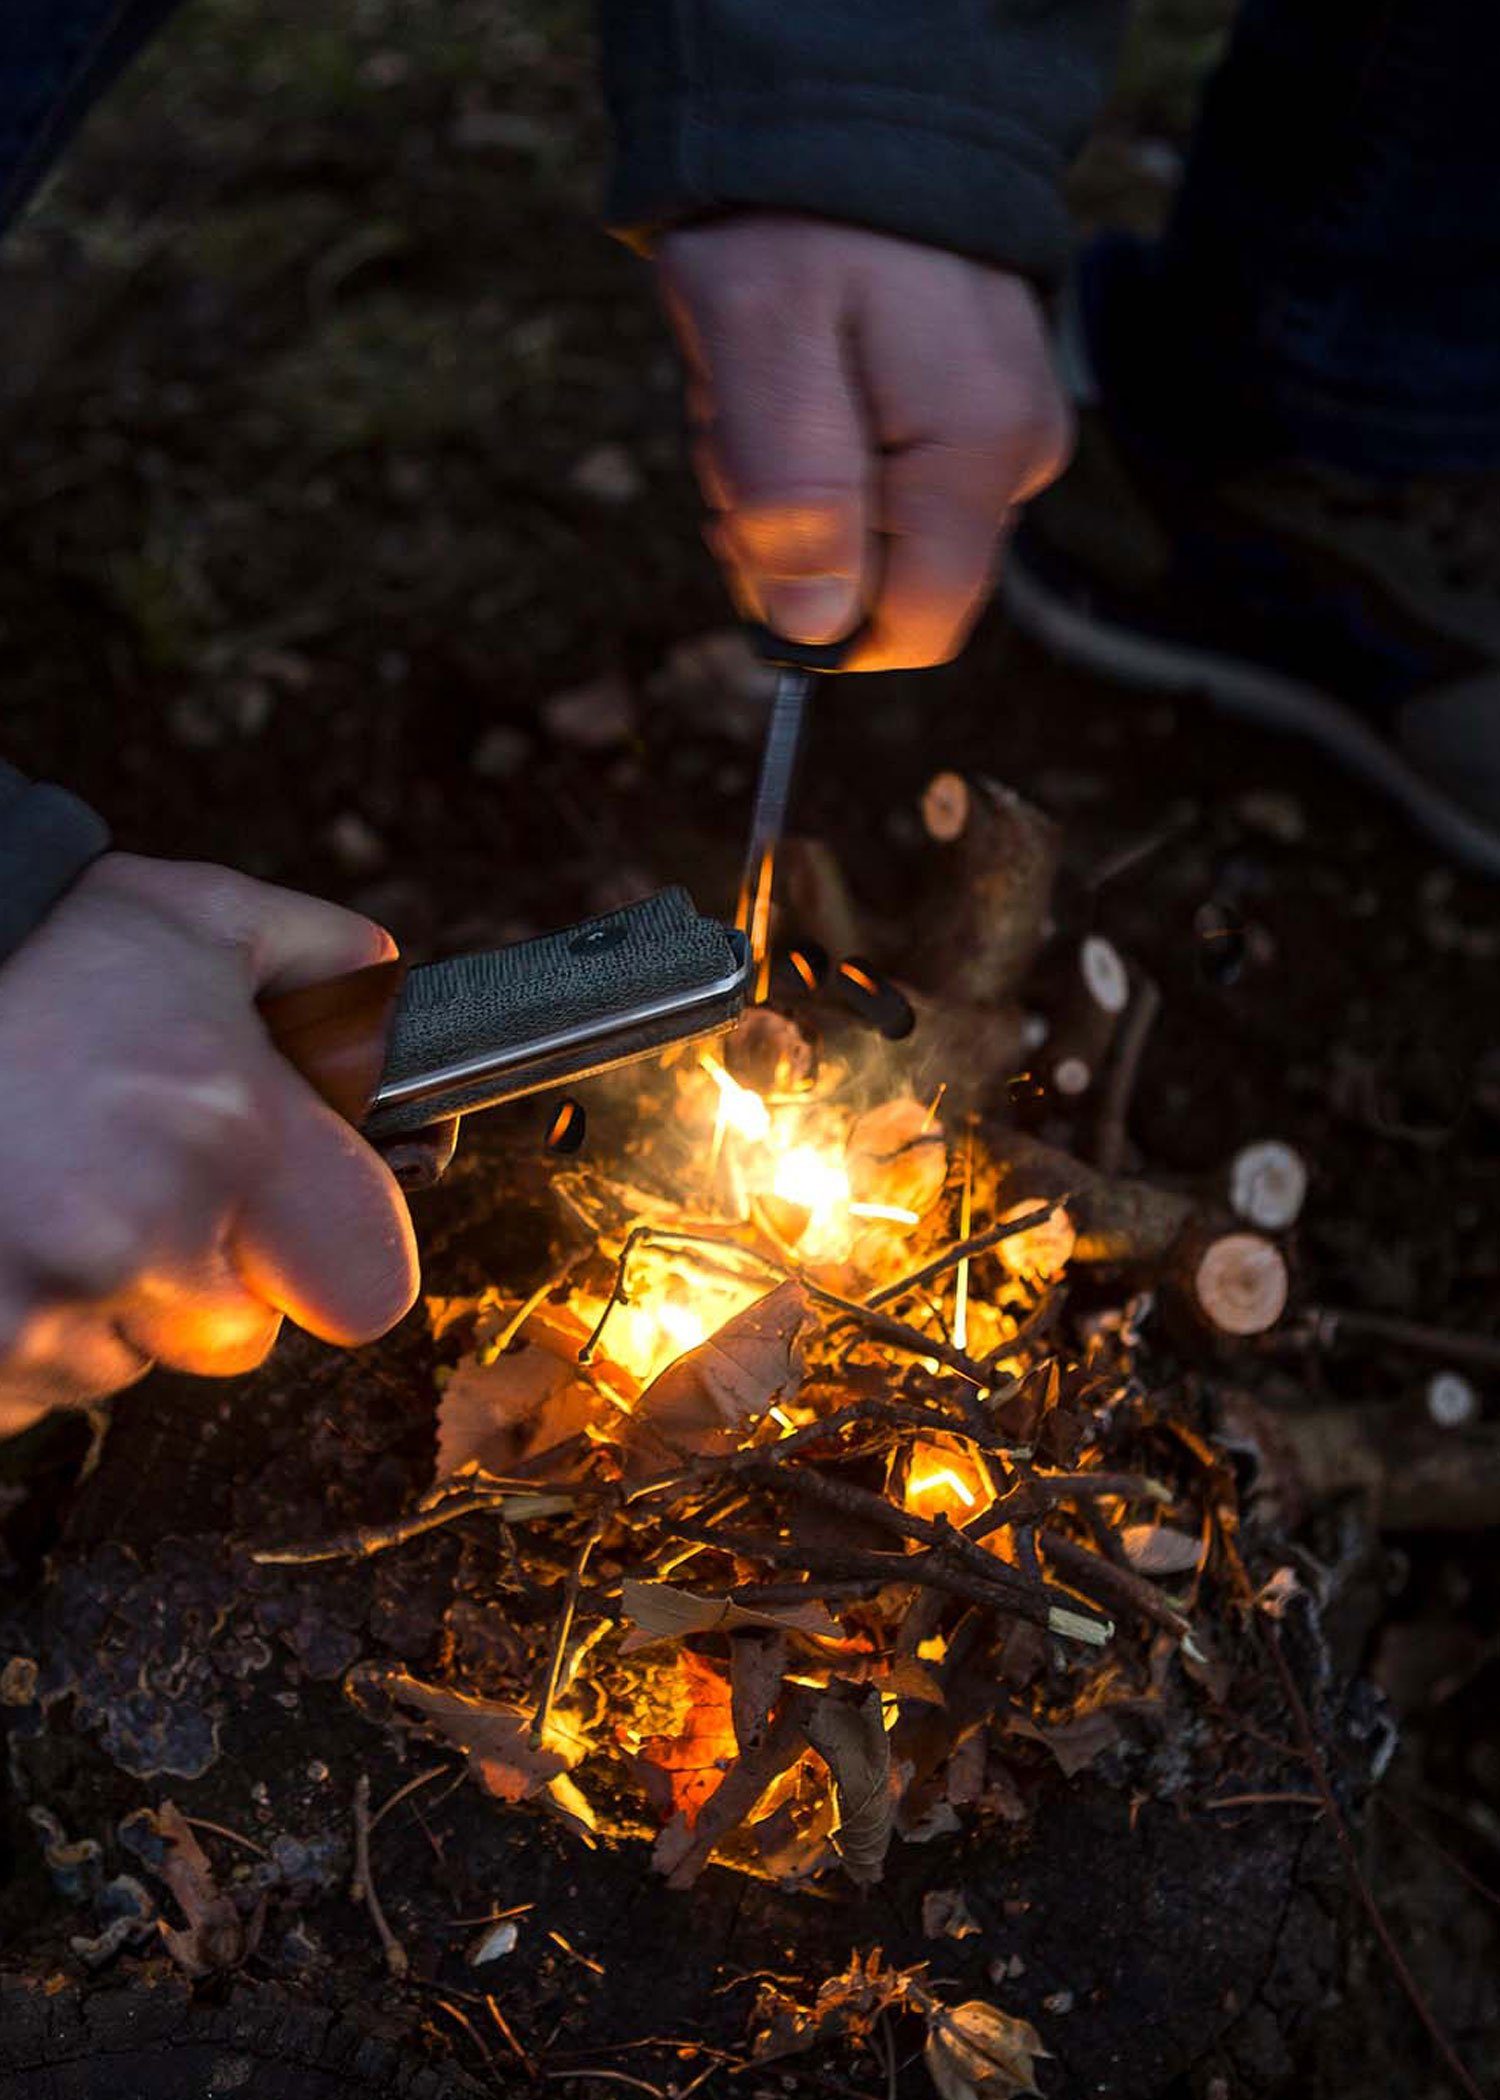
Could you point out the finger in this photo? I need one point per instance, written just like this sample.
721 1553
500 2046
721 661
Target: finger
62 1357
325 1236
968 417
782 449
289 939
201 1319
941 522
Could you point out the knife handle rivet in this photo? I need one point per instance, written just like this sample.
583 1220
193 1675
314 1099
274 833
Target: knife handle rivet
596 940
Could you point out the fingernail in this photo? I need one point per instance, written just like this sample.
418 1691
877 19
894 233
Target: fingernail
817 609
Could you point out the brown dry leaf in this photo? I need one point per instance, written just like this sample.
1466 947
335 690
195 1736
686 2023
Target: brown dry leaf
758 1660
215 1937
976 2052
1076 1743
662 1613
493 1414
847 2006
946 1915
494 1736
682 1769
846 1726
753 1361
896 1154
1158 1549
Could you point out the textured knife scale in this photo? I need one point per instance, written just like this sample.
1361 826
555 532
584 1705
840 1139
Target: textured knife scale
599 972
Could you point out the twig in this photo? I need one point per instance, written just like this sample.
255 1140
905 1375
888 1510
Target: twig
894 1333
366 1540
1476 1352
362 1887
1119 1088
508 2036
1112 1587
457 2013
560 1634
222 1830
962 1250
422 1779
1265 1801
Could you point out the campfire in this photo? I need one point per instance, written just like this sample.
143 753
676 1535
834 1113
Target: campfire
826 1481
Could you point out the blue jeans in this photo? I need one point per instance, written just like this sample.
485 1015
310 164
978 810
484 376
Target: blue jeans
1329 285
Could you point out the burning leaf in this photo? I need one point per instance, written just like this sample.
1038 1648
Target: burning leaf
215 1937
757 1663
846 1726
495 1736
681 1852
946 1915
1157 1549
753 1361
683 1768
847 2005
896 1156
498 1409
976 2052
662 1613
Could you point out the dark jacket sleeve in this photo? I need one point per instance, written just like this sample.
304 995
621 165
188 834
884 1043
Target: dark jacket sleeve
947 121
47 838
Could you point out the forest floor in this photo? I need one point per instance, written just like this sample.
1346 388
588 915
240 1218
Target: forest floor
338 441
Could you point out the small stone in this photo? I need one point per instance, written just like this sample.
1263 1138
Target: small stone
501 752
1058 2002
1273 814
355 843
593 717
608 474
18 1681
317 1772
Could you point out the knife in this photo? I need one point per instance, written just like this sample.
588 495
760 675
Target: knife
395 1050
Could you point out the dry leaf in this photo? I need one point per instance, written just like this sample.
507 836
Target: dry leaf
847 2006
214 1937
946 1915
682 1768
758 1661
662 1613
896 1154
753 1361
846 1726
497 1410
976 2052
1157 1549
1076 1743
682 1853
495 1736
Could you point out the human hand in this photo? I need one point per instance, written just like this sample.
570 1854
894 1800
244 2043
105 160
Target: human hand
868 413
169 1185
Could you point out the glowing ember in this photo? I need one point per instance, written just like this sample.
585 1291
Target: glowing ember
943 1480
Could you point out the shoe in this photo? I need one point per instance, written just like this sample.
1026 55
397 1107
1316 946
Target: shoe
1363 616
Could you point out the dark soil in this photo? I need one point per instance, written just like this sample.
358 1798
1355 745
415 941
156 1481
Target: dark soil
303 357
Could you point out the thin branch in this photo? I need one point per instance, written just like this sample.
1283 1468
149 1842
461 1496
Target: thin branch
560 1634
1119 1088
368 1539
962 1250
362 1887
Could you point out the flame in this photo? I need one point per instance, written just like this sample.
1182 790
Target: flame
810 1179
942 1479
740 1108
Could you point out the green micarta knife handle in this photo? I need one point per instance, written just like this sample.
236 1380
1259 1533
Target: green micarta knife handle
482 1029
